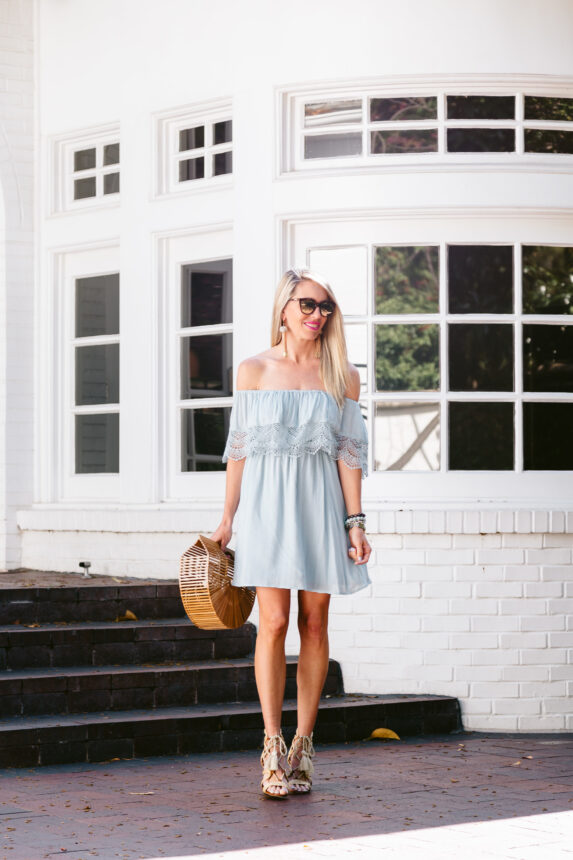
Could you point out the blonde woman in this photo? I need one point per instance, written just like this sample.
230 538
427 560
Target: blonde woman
296 453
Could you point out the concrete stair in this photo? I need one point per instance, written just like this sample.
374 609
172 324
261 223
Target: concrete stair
77 685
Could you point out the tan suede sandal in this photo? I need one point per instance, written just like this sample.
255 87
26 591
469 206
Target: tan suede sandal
275 767
300 762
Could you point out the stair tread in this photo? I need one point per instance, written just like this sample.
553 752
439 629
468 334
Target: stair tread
83 625
212 710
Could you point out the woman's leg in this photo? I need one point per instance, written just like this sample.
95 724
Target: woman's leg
270 666
313 657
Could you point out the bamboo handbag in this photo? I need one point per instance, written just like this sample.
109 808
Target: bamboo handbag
209 597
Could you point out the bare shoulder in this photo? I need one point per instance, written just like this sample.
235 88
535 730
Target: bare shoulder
249 372
353 387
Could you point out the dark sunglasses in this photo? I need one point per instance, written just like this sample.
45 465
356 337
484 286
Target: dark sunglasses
308 306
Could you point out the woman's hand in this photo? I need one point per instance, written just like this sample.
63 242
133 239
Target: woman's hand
360 550
223 533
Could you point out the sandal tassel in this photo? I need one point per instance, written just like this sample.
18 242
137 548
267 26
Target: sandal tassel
306 764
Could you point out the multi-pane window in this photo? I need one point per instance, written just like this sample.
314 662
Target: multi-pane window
206 356
465 352
205 150
96 374
95 170
369 128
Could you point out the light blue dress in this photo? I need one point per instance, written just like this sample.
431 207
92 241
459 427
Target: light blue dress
290 519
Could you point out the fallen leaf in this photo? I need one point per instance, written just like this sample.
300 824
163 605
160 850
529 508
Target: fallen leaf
528 756
141 792
516 763
383 734
127 616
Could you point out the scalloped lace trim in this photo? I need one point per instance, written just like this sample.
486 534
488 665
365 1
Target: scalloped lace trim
295 441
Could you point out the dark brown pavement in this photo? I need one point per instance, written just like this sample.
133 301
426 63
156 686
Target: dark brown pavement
492 796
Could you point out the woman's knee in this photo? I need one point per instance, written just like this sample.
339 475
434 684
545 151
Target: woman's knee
274 624
313 625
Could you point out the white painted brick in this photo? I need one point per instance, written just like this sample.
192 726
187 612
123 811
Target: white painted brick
557 521
543 690
427 541
423 607
543 622
482 606
522 541
386 573
431 673
420 522
568 589
569 522
523 522
540 521
557 574
525 606
495 657
506 521
474 641
383 541
479 673
475 706
397 622
446 589
560 605
498 589
522 573
377 605
424 640
449 556
502 556
341 639
404 521
497 690
403 556
544 655
526 673
426 572
437 522
541 723
548 556
366 655
560 673
451 658
543 589
396 589
440 688
448 623
557 540
477 541
495 723
382 642
471 522
510 706
561 640
350 622
454 522
523 640
479 573
488 522
387 522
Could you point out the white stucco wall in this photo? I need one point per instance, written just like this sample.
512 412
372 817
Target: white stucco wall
470 587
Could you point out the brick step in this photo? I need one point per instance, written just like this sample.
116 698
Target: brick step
107 642
94 688
31 741
84 602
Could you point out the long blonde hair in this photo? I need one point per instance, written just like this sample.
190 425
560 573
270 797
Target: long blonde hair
333 354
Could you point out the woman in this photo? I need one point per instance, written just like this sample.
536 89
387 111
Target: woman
295 454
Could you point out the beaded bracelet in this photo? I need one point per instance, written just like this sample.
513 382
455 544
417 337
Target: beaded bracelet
355 520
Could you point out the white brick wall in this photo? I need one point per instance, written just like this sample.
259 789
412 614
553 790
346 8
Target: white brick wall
16 270
486 617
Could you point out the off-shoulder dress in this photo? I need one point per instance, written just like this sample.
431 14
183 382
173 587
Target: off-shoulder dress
290 519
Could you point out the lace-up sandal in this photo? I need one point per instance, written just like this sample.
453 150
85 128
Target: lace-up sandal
275 767
300 762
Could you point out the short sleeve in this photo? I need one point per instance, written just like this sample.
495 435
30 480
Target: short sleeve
237 438
352 438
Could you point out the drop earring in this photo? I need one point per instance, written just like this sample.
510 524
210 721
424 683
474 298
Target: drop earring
283 329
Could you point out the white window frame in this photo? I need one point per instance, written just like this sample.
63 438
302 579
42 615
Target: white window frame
167 126
201 245
443 227
68 267
291 104
62 160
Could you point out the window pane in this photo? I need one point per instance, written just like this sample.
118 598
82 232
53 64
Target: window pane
111 153
480 279
97 443
404 140
206 365
481 357
85 159
203 437
548 358
84 188
481 436
481 140
481 107
223 131
407 357
357 346
334 112
407 436
332 145
539 107
111 183
191 168
547 434
222 163
97 374
548 140
206 293
345 269
97 305
191 138
386 110
547 280
407 279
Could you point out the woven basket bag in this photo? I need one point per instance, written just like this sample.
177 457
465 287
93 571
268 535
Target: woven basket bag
209 597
